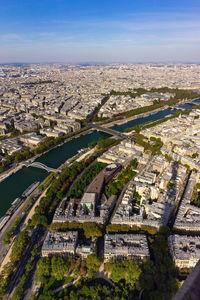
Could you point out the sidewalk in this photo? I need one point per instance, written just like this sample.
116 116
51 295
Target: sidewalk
31 212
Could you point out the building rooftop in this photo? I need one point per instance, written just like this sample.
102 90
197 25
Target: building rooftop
125 245
184 247
60 242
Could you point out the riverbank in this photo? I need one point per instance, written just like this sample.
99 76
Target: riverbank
65 164
32 211
6 258
143 115
147 114
14 185
4 175
85 155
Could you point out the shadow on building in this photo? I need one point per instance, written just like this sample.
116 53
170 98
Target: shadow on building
190 290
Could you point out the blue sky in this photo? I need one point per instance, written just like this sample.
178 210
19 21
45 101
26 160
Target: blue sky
99 31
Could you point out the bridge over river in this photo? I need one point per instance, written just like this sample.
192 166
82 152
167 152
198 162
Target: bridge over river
108 130
40 165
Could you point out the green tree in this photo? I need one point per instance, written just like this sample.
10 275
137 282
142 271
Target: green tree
17 295
59 195
44 267
59 267
93 263
128 270
92 144
10 232
147 276
173 286
92 229
19 246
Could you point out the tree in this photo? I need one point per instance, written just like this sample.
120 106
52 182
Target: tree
19 246
120 227
92 144
133 272
10 232
17 295
59 267
35 219
194 155
59 195
92 229
85 180
150 229
18 156
155 295
128 270
103 143
173 285
115 187
93 263
147 276
44 267
3 285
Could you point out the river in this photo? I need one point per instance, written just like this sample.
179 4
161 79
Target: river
152 117
14 185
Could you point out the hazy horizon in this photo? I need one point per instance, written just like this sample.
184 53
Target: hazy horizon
98 62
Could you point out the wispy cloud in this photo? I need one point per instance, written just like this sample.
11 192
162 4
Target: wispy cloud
10 37
135 22
46 34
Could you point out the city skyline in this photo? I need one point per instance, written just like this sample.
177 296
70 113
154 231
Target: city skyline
121 32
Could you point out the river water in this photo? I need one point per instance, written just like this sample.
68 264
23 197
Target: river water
14 185
153 117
